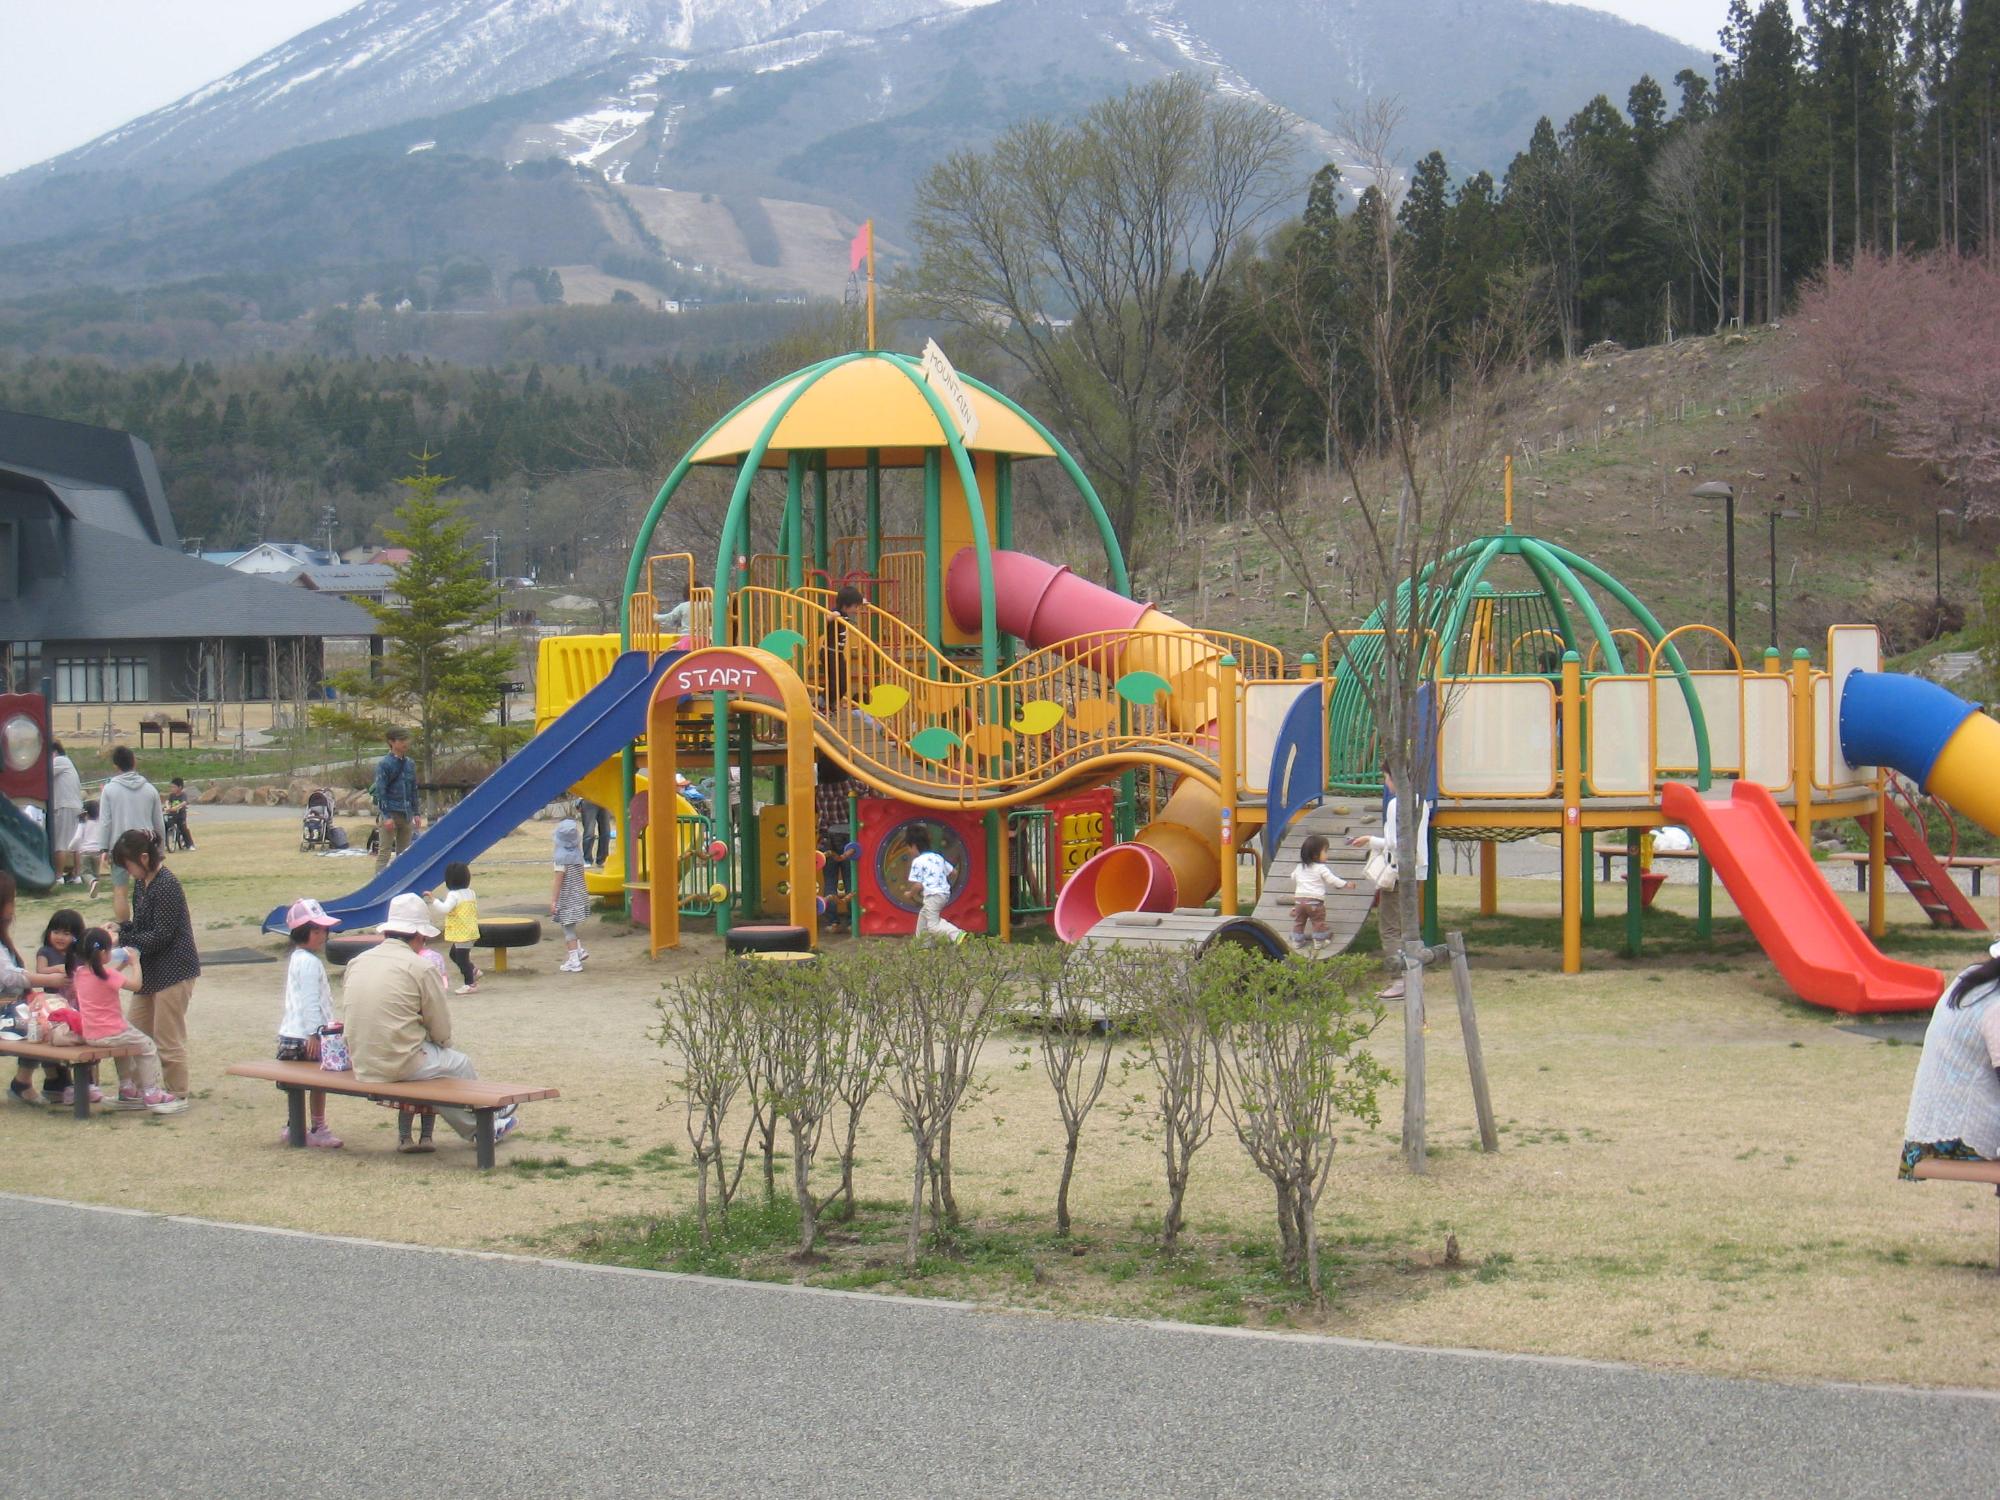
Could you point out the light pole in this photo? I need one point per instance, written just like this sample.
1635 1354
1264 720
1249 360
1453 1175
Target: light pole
1937 556
1717 489
492 540
1775 517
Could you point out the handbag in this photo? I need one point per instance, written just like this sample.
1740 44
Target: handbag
333 1056
1381 869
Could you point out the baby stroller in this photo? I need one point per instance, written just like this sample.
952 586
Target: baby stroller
317 830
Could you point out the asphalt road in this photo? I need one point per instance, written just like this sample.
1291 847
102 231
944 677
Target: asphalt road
163 1357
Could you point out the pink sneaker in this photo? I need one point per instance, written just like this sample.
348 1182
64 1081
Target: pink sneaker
323 1138
127 1099
96 1094
160 1102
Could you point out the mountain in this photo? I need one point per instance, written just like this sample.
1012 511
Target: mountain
743 136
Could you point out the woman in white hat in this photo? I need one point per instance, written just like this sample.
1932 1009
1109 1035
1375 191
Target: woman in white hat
1955 1103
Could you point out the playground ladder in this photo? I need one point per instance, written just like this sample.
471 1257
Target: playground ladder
1925 875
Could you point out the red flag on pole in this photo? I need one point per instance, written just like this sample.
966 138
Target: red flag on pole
857 250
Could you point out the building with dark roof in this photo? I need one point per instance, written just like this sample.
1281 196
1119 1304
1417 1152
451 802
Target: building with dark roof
97 596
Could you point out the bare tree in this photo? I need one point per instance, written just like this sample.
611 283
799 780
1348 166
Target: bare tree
856 981
703 1018
1081 252
1410 495
1688 198
1073 1019
1173 1043
1291 1074
938 1003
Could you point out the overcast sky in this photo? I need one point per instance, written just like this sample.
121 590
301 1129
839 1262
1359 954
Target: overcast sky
70 72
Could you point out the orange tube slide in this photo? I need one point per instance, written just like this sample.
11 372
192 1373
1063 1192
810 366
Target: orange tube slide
1175 860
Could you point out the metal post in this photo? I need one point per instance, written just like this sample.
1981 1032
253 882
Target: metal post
1489 878
1729 558
1774 580
1572 824
1226 750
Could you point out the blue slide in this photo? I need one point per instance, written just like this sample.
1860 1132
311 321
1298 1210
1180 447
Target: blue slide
592 730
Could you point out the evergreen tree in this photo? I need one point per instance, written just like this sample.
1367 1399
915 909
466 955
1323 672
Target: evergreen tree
438 674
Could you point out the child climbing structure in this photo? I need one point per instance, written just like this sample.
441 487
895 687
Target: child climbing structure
1078 754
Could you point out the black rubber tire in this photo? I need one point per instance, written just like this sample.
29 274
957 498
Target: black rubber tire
770 937
341 948
508 932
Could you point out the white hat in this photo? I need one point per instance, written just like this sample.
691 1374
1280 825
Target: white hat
409 914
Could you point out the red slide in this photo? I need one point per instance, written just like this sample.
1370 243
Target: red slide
1820 949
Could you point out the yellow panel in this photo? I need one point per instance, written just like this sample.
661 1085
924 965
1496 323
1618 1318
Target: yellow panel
955 525
868 403
567 667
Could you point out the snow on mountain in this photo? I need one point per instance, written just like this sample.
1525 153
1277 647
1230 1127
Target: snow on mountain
391 60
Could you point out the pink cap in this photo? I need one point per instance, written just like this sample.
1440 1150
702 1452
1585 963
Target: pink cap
307 912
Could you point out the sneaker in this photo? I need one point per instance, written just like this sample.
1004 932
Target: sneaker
582 952
324 1139
125 1099
571 965
24 1093
160 1102
1391 992
467 989
504 1128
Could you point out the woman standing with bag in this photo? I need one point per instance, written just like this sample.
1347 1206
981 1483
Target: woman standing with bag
162 933
1385 868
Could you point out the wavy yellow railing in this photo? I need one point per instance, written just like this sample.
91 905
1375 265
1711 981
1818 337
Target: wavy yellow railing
912 718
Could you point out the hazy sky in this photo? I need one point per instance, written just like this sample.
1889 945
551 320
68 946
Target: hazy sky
69 72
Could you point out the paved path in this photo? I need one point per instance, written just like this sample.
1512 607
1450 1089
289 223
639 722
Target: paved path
223 1361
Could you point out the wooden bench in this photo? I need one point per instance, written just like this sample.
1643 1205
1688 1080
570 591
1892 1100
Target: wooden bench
484 1099
1625 851
1977 863
81 1061
1937 1169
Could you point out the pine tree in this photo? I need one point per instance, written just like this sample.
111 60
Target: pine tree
438 675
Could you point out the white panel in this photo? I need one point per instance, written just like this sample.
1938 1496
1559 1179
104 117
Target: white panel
1767 730
1719 696
1849 648
1822 741
1498 737
1265 705
1620 750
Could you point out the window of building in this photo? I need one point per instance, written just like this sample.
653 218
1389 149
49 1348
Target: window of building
116 679
10 560
24 667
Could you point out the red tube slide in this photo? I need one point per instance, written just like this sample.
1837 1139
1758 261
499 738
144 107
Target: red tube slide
1176 860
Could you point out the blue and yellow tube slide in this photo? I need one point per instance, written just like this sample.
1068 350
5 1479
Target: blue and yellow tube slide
1944 744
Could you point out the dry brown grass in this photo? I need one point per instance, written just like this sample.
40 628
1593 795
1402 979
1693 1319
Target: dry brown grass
1694 1170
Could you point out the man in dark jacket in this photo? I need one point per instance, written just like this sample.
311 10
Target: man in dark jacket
395 794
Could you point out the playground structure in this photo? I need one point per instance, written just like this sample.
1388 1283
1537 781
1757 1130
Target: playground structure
1078 754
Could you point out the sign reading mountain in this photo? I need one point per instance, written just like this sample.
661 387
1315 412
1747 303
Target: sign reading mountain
743 137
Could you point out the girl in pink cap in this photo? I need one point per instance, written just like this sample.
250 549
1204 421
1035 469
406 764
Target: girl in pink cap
308 1005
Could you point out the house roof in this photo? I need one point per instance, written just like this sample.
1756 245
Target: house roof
347 578
97 475
222 559
118 588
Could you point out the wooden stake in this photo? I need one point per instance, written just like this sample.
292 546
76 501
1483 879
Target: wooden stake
1475 1055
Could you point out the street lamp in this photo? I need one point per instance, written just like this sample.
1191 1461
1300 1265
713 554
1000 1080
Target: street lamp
1937 555
1717 489
1775 517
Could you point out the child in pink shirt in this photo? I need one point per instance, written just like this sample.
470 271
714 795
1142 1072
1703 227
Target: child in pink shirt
97 987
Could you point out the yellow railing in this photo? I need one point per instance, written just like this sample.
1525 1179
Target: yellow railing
849 554
907 715
901 588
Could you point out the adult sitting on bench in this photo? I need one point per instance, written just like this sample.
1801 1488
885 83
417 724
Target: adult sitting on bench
398 1021
1955 1104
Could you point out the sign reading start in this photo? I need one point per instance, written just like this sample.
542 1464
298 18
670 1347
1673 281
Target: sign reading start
714 673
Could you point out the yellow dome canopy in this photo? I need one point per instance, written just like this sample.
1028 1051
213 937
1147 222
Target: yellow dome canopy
868 403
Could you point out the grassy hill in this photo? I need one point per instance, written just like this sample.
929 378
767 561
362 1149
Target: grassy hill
1606 451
